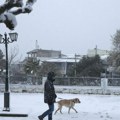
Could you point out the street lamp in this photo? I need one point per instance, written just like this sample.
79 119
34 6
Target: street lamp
12 37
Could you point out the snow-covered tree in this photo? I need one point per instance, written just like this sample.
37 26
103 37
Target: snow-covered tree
11 8
114 58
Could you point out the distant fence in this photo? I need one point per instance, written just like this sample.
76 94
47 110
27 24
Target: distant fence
78 81
113 81
22 79
82 85
65 81
86 81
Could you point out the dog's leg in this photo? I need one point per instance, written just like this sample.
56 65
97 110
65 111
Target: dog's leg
58 110
69 110
61 110
74 109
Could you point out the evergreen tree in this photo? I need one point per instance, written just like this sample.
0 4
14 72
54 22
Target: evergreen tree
89 66
31 66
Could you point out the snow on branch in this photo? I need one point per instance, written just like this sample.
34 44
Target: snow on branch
8 16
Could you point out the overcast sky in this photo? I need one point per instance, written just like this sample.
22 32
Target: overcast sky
72 26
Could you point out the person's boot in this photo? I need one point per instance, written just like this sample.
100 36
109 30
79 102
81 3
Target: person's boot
40 117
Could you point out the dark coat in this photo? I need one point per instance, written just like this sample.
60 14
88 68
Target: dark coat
49 92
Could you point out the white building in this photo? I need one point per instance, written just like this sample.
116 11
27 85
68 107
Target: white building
65 63
96 51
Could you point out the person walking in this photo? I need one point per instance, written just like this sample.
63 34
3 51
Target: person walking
49 96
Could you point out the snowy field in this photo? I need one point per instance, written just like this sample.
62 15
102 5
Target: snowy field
92 107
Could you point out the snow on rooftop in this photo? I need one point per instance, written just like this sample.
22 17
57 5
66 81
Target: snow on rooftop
103 57
63 60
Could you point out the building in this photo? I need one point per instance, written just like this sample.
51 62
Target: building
44 54
62 61
96 51
65 63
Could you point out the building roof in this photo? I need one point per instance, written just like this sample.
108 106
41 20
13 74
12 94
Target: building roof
58 60
37 50
103 57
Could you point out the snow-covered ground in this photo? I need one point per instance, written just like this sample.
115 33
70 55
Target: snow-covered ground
92 107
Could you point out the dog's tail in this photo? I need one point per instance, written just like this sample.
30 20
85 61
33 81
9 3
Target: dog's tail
58 98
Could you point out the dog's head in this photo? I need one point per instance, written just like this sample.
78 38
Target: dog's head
76 100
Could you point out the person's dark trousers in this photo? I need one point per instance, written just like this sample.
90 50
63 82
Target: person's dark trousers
48 112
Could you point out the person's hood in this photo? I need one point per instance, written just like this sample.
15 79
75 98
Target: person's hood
51 76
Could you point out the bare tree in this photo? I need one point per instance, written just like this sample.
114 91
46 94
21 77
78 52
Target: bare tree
13 53
47 66
2 62
114 58
8 15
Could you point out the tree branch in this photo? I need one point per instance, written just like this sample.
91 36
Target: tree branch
10 4
26 9
8 17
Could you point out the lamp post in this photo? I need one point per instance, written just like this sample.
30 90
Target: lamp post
12 37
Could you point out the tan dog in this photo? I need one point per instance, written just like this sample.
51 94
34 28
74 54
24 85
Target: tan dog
67 103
